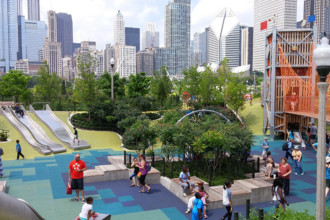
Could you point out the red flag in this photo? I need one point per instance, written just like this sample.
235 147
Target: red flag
263 25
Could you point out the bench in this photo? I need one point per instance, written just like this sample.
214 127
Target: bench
261 191
153 176
3 186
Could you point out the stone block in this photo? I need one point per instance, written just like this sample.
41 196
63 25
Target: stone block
3 186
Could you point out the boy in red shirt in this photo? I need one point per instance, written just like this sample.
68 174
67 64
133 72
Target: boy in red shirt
76 169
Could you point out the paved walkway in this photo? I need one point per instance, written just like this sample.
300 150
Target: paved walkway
42 183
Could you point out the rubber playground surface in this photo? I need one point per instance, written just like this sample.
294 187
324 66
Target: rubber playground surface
41 181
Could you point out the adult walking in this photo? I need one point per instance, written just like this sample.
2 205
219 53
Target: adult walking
1 169
184 180
278 197
227 200
75 135
76 170
312 137
288 151
144 172
19 150
297 156
284 171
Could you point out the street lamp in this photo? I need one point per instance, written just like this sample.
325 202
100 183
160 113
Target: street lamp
112 63
322 61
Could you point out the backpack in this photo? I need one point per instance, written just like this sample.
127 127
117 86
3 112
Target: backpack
148 166
285 146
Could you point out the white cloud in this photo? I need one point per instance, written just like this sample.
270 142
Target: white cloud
93 19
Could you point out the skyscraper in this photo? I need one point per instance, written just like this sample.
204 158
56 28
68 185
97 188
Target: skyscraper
224 38
21 38
19 8
247 46
176 54
119 29
177 32
132 37
33 10
145 62
109 53
282 13
150 37
65 33
35 33
8 35
125 57
319 8
52 49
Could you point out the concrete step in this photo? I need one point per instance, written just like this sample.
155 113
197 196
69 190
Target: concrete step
261 191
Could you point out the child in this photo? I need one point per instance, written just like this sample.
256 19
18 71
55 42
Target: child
198 208
86 210
204 195
75 135
135 164
327 176
265 146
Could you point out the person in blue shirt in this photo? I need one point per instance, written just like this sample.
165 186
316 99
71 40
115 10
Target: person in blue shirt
197 212
315 145
265 147
184 180
327 176
75 135
19 150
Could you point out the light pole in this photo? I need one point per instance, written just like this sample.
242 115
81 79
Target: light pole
322 61
112 63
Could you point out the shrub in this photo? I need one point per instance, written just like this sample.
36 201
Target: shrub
4 136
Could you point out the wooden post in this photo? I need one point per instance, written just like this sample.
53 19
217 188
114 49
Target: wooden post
258 164
261 214
253 165
164 166
144 152
210 176
247 209
236 216
129 160
153 159
125 157
172 169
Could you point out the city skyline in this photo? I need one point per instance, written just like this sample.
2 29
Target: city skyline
91 23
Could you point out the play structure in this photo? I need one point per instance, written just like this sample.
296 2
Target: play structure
36 136
290 93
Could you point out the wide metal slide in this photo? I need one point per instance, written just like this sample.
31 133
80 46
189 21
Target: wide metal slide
11 117
59 128
39 133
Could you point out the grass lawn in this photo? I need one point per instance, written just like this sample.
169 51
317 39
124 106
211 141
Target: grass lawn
97 139
253 116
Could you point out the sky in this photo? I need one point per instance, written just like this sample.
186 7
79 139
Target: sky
93 19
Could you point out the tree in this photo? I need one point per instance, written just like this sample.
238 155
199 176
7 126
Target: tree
161 86
234 93
192 81
138 85
49 85
104 85
15 83
208 83
85 82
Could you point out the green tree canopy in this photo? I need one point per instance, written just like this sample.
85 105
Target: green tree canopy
14 83
138 85
161 86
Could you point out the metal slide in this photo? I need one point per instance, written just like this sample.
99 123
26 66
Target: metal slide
39 133
43 149
16 209
59 128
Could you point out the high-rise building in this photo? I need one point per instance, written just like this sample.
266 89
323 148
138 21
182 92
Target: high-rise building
145 62
150 37
224 38
109 53
119 29
35 33
52 49
99 58
22 65
125 57
67 68
132 37
8 35
247 46
75 46
19 8
65 33
319 8
33 10
21 38
197 50
283 15
176 54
